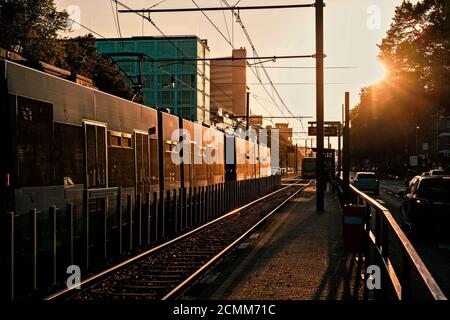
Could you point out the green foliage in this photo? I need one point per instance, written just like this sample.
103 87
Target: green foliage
30 28
82 58
416 52
417 47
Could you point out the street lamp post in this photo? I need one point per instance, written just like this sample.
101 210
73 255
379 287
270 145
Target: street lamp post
417 144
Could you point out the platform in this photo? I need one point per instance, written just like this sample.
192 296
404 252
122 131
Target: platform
297 255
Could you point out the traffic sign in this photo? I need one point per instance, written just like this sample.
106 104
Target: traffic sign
328 131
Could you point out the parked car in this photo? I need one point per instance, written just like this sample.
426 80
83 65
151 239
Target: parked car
436 172
426 205
276 171
367 181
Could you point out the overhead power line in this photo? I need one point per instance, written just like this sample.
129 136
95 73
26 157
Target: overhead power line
213 24
188 59
233 8
255 53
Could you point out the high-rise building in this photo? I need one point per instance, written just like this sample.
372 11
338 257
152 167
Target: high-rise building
181 86
229 83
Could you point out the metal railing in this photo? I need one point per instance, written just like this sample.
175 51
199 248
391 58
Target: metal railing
106 224
404 274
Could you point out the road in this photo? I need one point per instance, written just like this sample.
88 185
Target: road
436 257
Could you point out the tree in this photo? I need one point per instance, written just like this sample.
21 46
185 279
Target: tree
30 28
416 52
82 58
417 48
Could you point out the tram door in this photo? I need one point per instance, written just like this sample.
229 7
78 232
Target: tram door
142 163
95 140
96 177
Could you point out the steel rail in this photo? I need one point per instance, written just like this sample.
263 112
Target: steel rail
102 274
221 254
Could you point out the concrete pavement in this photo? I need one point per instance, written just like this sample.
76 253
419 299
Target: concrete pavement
297 255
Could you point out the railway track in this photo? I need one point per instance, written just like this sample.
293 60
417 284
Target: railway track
166 271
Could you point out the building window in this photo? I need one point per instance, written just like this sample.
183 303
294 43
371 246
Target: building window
165 97
185 97
148 98
166 81
187 80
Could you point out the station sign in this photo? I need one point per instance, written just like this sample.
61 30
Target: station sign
329 131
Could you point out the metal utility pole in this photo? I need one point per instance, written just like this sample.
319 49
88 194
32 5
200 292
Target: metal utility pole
320 188
247 111
417 144
346 164
339 150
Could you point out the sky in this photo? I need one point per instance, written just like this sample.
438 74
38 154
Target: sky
352 30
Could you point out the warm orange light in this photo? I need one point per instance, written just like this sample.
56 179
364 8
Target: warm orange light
378 72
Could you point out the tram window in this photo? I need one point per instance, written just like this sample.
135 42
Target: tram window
115 141
121 167
34 143
126 142
154 169
69 156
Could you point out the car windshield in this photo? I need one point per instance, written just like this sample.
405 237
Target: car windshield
435 189
365 176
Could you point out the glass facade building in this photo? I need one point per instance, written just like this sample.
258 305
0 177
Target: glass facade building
183 87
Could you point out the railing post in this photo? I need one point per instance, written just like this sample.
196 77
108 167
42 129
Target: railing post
139 212
162 213
120 217
105 231
207 203
198 219
53 228
34 213
190 207
11 250
195 207
156 220
149 216
167 214
406 276
130 221
86 240
174 212
182 208
384 252
203 204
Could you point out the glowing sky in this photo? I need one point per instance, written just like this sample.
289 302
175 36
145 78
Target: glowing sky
352 31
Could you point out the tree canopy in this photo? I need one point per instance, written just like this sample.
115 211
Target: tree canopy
416 51
31 28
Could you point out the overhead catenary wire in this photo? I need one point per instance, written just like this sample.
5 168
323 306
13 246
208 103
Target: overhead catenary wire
175 78
114 17
165 36
213 24
255 53
113 69
118 24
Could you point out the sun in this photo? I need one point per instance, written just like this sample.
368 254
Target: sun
380 72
